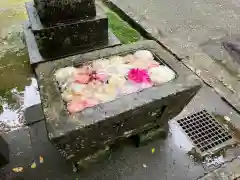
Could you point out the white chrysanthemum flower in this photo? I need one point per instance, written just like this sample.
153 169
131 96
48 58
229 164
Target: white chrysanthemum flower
161 74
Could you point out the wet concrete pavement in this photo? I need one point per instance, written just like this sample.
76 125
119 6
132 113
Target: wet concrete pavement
169 160
16 77
184 27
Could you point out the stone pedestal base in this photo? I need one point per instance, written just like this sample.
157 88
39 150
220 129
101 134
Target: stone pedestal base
36 57
67 38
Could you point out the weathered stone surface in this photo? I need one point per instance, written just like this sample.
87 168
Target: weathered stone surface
68 38
58 11
4 152
35 57
82 133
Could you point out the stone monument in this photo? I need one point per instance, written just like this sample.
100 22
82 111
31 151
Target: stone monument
59 28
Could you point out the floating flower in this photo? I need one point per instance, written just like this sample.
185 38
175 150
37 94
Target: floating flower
143 55
106 93
116 60
87 70
77 88
100 64
117 81
129 58
139 64
82 78
63 74
101 76
129 87
75 106
78 105
151 65
139 75
161 74
67 95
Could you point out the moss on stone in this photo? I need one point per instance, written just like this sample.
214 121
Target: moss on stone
124 32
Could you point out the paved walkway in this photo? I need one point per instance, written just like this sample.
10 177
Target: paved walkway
187 28
169 161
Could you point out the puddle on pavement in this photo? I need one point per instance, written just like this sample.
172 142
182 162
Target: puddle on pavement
18 88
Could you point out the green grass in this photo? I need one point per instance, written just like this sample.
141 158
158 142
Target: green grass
124 32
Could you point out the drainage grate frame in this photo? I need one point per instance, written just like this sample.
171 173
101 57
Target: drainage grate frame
206 133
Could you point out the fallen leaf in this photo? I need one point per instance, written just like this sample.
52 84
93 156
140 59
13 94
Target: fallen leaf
40 159
144 165
17 169
227 118
34 165
153 150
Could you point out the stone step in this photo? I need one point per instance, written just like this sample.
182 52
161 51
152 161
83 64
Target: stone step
36 57
67 38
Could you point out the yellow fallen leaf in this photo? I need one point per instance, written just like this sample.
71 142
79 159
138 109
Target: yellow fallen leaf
34 165
40 159
153 150
17 169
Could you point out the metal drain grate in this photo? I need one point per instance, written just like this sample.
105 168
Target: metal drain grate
204 131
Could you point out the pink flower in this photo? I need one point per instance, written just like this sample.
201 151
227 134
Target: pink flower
82 78
139 75
151 65
77 105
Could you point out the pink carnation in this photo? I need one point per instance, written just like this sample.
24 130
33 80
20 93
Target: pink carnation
78 105
139 75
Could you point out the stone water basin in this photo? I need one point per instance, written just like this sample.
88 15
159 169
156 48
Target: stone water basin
79 133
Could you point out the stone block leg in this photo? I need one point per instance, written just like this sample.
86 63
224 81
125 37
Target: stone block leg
157 132
91 159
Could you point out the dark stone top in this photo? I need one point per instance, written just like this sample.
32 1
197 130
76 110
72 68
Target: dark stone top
60 122
56 11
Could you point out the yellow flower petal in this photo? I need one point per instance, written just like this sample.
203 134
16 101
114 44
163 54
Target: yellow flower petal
153 150
34 165
17 169
41 159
